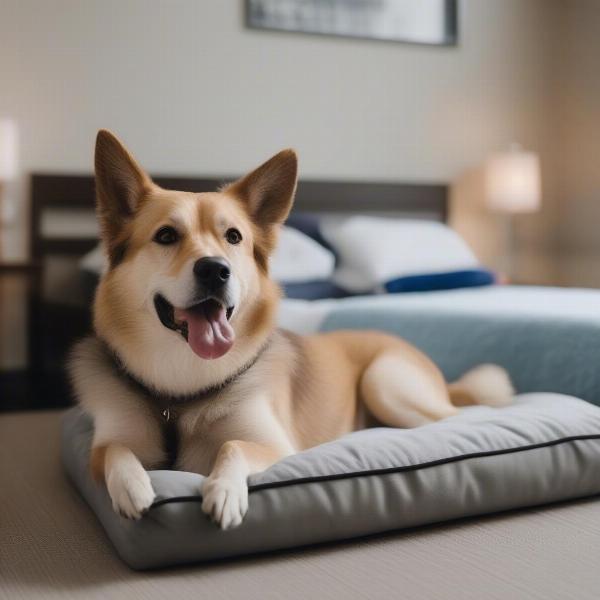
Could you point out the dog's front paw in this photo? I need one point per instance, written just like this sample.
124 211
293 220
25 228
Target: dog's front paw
130 490
225 500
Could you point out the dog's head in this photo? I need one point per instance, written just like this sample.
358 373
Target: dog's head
195 263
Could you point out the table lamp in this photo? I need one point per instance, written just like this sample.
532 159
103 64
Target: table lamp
513 186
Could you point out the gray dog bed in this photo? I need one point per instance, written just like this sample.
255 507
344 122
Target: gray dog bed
544 448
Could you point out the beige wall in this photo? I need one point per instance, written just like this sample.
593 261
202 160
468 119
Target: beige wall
192 91
578 126
563 246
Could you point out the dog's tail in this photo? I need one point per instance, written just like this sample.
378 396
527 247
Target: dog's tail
487 384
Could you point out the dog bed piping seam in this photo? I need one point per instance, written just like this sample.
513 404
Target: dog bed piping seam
389 470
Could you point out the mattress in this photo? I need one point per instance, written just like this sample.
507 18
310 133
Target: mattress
565 304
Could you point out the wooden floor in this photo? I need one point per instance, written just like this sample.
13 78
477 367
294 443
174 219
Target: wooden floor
51 546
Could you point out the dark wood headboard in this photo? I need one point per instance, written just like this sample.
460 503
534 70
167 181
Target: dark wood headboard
75 194
63 226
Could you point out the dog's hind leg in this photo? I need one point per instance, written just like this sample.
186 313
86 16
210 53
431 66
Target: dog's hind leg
405 389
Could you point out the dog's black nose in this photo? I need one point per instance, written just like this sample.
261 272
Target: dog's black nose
212 272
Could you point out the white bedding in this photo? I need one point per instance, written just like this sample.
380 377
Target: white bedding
303 316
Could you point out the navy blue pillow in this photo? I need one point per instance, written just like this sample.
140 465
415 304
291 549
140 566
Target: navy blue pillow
309 225
313 290
441 281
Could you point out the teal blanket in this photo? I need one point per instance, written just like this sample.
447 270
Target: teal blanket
541 353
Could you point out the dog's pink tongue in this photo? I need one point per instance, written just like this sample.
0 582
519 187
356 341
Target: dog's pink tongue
209 333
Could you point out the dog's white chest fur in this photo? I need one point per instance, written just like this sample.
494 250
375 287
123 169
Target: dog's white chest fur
242 412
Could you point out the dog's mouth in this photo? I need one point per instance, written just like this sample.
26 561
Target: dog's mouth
204 325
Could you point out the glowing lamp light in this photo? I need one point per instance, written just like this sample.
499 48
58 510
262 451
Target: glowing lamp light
513 182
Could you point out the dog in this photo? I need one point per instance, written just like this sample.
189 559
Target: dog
187 367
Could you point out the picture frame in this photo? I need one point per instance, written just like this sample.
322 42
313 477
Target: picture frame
431 22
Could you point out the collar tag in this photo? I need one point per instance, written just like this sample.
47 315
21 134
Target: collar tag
166 413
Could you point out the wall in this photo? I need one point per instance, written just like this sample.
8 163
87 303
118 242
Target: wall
578 127
191 91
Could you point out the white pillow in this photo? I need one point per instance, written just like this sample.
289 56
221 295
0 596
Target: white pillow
375 250
94 261
296 259
299 258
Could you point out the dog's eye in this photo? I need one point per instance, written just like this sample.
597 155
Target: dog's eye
166 235
233 236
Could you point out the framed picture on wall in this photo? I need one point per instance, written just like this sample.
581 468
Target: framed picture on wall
412 21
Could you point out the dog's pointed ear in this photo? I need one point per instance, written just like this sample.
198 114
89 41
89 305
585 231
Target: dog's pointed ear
120 181
120 185
268 191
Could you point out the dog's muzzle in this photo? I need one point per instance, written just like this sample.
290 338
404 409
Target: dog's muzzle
204 325
166 312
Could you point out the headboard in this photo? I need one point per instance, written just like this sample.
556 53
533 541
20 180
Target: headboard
63 228
62 221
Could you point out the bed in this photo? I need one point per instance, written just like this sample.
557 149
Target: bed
63 228
547 553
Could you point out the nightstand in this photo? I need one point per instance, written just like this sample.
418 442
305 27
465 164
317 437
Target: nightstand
35 335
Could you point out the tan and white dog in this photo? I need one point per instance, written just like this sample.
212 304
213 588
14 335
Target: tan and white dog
187 347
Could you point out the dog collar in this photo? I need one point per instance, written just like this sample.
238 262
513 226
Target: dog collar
166 402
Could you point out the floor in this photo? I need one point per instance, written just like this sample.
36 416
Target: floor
52 547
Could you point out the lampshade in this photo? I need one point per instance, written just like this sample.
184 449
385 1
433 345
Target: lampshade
513 181
8 149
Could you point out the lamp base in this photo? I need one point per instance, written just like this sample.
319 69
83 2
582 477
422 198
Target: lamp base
508 243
